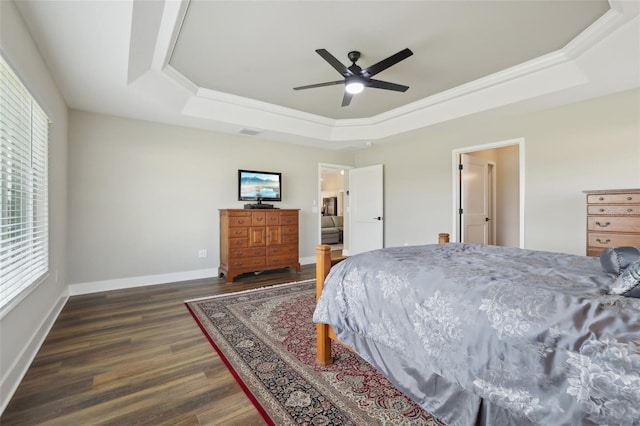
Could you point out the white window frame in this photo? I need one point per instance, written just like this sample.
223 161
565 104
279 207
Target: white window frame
24 190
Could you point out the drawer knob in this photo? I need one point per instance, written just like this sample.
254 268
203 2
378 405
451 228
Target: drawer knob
603 226
629 210
601 210
607 241
241 221
601 198
629 198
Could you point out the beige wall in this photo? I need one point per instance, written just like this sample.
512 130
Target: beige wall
23 328
593 144
144 197
508 197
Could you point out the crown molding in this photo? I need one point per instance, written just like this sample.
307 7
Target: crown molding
555 71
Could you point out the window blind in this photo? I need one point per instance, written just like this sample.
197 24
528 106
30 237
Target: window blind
24 221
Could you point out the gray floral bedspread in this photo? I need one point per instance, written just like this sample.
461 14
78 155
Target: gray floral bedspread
492 335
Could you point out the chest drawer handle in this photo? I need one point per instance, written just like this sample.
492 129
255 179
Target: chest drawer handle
629 210
603 226
241 221
601 210
601 198
629 198
607 241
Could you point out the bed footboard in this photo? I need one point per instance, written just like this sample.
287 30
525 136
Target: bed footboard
324 262
325 333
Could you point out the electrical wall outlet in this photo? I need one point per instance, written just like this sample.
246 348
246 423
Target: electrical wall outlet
202 253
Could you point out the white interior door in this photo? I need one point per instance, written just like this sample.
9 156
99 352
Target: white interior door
366 207
474 199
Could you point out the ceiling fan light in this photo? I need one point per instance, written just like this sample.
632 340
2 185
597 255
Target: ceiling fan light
354 87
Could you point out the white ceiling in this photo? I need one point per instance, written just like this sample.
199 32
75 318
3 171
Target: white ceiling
231 66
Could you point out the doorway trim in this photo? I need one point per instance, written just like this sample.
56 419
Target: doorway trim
455 179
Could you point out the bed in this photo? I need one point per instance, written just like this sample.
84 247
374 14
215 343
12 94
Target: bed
489 335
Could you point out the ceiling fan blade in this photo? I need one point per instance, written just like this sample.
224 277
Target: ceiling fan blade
311 86
346 100
339 66
378 84
386 63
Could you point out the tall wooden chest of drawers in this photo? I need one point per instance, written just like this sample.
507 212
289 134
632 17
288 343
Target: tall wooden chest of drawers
254 240
613 219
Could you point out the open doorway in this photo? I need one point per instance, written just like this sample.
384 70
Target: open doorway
332 226
488 194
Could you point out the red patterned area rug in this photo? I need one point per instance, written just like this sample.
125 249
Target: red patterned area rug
266 337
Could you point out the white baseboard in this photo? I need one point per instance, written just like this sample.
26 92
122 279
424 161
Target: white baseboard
122 283
11 380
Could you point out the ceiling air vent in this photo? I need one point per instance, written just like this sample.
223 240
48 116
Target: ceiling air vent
250 132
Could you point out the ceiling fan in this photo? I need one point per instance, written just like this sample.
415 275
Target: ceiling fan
356 78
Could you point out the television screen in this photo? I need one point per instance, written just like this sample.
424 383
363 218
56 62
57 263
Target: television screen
254 185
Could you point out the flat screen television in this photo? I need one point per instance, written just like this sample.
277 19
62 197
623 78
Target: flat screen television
259 186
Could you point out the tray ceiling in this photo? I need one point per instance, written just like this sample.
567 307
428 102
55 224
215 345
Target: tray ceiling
230 66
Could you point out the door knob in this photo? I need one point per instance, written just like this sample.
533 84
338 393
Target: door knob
378 218
486 219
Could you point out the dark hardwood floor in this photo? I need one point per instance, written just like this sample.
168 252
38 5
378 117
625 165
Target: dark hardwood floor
136 356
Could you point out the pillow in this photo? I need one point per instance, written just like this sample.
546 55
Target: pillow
616 260
628 283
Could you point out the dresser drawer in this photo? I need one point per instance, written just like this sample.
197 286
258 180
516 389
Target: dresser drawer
622 198
235 243
246 252
273 218
613 224
289 239
282 260
596 252
238 232
282 250
631 210
290 230
240 220
288 219
258 218
604 240
249 262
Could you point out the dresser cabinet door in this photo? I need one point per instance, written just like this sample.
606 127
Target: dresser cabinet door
274 235
257 236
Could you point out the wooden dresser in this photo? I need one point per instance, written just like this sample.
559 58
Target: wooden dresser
254 240
613 219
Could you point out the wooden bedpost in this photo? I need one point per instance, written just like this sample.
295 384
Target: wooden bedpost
443 238
323 264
